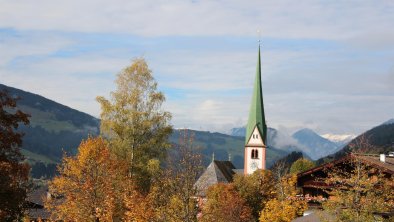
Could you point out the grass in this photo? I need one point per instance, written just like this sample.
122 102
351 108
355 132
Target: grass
34 157
47 120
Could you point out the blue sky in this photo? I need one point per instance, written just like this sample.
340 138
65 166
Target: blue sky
327 65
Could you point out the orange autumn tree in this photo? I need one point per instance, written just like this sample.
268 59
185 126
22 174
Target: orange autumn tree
90 186
224 204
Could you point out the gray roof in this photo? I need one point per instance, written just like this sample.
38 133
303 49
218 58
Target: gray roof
216 172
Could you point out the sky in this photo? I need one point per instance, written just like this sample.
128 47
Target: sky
326 65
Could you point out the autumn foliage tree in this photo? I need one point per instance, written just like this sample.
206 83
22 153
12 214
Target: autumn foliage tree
91 185
285 206
134 122
357 191
224 204
257 189
173 192
13 172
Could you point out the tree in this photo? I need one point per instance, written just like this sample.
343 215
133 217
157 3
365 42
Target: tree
91 185
357 191
224 204
134 122
173 192
13 173
257 189
285 206
301 165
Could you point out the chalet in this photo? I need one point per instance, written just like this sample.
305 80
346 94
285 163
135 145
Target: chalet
311 183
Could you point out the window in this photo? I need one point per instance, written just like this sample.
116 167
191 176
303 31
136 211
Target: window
255 154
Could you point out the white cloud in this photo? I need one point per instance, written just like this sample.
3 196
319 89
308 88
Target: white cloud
342 89
283 19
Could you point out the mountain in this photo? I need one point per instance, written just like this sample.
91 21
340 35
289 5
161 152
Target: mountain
341 140
388 122
238 131
55 129
379 139
315 145
282 141
224 145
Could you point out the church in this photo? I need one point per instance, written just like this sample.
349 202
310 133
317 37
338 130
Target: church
255 144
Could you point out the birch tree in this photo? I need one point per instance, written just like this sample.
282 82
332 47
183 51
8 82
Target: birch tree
134 122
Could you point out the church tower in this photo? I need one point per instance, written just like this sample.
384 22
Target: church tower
256 130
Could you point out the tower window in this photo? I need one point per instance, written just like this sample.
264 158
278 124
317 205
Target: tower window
255 154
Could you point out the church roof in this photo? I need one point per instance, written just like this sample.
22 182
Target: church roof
216 172
256 112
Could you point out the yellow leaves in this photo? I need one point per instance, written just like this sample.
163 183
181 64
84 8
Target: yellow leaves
357 192
134 123
90 185
282 211
224 204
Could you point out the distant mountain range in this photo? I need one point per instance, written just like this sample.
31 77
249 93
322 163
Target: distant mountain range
56 129
377 140
306 141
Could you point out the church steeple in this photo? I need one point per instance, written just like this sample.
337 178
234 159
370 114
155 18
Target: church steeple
256 112
256 130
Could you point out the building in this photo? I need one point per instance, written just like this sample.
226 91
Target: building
35 205
256 129
216 172
312 181
255 144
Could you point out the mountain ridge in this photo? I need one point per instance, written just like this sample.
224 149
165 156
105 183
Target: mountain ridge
56 129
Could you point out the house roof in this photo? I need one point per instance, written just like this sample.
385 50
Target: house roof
35 203
370 159
216 172
256 112
38 195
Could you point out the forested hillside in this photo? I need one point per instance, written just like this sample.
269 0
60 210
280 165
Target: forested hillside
56 129
379 139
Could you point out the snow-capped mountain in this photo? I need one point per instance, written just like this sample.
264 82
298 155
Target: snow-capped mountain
315 145
340 139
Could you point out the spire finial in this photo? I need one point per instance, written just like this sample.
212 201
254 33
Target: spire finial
259 36
213 156
229 156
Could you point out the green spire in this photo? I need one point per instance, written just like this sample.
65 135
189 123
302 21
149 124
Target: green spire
256 112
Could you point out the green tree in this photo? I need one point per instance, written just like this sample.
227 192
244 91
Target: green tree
257 189
133 121
301 165
13 173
